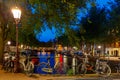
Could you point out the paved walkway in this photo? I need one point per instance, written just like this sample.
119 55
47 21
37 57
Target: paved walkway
20 76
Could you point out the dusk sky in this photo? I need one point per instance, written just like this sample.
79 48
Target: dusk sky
49 34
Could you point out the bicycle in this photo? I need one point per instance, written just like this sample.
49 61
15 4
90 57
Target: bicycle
58 68
100 67
26 65
8 63
117 67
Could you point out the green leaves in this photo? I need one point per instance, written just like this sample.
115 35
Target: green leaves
93 27
89 21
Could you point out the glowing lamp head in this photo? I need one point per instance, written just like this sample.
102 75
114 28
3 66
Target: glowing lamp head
8 42
99 47
16 13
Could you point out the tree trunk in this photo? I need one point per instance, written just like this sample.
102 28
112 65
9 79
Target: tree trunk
4 29
1 50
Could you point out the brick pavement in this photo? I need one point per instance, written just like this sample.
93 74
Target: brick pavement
20 76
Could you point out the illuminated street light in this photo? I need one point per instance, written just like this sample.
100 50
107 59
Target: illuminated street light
99 47
9 42
99 50
17 15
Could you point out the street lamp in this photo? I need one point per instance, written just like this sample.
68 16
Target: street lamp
16 14
9 42
99 50
99 47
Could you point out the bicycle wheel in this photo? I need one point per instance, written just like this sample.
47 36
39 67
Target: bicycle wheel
21 66
117 67
44 68
117 70
3 65
104 70
9 66
6 66
82 69
66 69
61 69
29 69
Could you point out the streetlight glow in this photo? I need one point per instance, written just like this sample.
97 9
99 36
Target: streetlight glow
9 42
16 13
99 47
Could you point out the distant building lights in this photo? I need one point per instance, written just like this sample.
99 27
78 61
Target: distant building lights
99 47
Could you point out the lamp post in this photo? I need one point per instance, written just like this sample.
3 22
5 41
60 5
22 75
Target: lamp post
16 14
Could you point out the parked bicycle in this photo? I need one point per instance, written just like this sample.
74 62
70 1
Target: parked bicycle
99 67
8 62
58 68
117 67
26 65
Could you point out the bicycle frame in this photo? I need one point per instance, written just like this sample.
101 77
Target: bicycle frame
100 67
46 67
49 69
27 64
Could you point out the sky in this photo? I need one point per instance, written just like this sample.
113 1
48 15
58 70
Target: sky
49 34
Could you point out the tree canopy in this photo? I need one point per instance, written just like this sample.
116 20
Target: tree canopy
61 14
93 26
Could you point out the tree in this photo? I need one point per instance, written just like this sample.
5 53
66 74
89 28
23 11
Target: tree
5 26
40 13
93 25
51 13
60 14
69 40
114 26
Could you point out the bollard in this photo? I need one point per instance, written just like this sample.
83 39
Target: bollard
73 65
65 62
